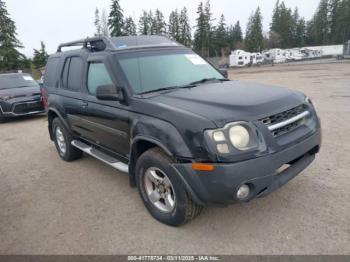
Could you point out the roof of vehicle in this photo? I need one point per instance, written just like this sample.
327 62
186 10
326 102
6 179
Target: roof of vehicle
101 43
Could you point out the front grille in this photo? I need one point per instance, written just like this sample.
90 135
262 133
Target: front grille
282 117
27 108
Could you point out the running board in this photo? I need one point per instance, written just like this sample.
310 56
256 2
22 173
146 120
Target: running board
101 156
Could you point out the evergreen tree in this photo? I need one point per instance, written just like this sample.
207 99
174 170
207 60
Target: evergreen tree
238 35
221 39
200 33
285 27
129 26
174 25
334 15
319 26
301 32
10 57
97 22
209 29
145 24
339 20
204 30
185 36
159 24
234 36
104 24
40 56
254 40
116 19
275 24
150 21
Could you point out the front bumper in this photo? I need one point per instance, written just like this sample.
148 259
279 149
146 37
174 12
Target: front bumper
220 186
21 108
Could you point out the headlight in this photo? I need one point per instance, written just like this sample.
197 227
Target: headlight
239 137
5 98
308 100
235 138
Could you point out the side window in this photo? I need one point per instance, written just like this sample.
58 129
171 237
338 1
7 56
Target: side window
72 74
98 76
65 73
75 73
51 72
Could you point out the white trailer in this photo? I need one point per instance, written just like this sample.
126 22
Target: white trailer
276 56
328 50
256 58
239 58
294 54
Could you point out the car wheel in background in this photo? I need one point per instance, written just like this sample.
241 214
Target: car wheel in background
2 119
163 191
63 140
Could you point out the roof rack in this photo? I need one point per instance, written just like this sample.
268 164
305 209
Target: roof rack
94 44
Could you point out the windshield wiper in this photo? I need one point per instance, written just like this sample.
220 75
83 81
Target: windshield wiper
204 80
167 89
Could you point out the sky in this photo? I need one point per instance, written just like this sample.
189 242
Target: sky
57 21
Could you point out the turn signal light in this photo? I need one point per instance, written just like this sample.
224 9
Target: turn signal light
202 167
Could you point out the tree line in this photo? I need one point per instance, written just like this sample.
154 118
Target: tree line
329 25
208 36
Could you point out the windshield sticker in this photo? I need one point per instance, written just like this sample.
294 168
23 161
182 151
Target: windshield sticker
28 78
122 46
196 60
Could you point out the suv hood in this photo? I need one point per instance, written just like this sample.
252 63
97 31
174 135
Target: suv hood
20 92
232 101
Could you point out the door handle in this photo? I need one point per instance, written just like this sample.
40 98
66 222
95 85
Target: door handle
84 104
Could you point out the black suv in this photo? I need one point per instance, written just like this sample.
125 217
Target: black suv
187 136
19 95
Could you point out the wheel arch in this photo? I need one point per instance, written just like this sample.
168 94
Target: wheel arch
140 145
51 115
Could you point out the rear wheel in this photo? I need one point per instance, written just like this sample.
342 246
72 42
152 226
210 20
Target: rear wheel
63 140
2 118
162 190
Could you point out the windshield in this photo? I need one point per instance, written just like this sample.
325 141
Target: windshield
16 81
148 71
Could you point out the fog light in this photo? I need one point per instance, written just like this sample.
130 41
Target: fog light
243 192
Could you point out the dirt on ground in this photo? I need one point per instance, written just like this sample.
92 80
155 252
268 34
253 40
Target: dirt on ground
48 206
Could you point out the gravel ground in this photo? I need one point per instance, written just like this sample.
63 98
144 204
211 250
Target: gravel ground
51 207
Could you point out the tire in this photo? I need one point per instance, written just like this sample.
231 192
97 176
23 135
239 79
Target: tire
2 119
70 153
184 208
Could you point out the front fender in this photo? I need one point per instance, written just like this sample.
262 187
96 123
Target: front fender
161 133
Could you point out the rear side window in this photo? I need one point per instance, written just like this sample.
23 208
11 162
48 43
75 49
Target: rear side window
51 72
75 74
65 73
98 76
72 75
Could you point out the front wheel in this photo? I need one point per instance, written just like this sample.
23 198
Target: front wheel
163 191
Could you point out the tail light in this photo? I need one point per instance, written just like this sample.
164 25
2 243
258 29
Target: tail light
43 96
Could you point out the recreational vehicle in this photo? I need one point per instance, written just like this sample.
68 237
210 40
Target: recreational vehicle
239 58
256 59
294 54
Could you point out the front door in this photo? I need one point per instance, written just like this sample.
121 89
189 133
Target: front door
107 122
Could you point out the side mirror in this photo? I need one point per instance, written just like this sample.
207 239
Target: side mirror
108 93
224 72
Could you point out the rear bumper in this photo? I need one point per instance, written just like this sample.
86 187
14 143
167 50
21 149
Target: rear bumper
220 186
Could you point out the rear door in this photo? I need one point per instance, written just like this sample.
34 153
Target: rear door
72 92
107 122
